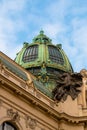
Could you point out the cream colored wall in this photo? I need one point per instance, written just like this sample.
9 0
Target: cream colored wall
10 100
65 126
69 107
29 115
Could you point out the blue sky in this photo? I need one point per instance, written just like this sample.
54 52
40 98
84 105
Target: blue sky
64 21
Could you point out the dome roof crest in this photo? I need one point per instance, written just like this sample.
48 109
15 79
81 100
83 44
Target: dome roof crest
42 38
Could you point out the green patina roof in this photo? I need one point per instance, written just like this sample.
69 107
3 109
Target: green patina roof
42 88
43 42
44 60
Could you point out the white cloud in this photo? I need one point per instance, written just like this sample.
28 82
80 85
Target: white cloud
79 38
11 6
10 24
79 33
54 31
57 10
72 31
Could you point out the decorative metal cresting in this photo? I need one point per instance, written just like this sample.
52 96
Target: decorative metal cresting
67 84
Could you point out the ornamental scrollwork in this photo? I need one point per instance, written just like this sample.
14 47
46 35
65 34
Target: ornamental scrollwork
30 122
13 115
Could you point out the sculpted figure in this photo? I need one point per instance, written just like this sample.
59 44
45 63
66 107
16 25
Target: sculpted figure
84 86
67 84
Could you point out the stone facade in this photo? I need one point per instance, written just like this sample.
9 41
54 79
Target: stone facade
26 108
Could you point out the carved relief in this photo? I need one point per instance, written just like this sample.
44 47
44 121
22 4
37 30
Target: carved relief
67 84
31 123
2 66
23 84
38 95
13 115
84 86
29 82
51 104
6 74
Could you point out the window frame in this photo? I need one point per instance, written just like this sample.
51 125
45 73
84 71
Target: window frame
30 54
3 126
55 55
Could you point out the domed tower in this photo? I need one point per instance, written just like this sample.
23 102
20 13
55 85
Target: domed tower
44 60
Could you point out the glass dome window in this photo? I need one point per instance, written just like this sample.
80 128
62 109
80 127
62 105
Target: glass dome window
30 54
55 55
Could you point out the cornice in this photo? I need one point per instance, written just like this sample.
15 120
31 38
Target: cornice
5 57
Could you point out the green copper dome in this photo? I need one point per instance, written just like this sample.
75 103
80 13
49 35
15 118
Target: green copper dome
41 50
44 60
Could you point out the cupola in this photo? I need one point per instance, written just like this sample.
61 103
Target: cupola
44 60
41 52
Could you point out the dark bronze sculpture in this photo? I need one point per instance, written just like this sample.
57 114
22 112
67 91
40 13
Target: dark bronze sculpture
67 84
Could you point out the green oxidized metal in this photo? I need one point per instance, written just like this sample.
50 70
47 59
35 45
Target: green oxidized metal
43 59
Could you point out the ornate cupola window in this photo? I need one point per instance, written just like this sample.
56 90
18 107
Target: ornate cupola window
55 55
31 53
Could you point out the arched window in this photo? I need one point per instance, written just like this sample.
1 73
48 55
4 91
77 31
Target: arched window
31 53
55 55
7 126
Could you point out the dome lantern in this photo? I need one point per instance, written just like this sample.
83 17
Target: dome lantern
41 32
42 38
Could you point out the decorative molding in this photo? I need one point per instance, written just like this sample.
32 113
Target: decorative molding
13 115
38 95
52 104
60 129
6 74
18 92
2 81
1 102
30 122
2 66
29 82
23 85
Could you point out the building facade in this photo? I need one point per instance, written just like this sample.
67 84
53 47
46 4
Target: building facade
28 98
